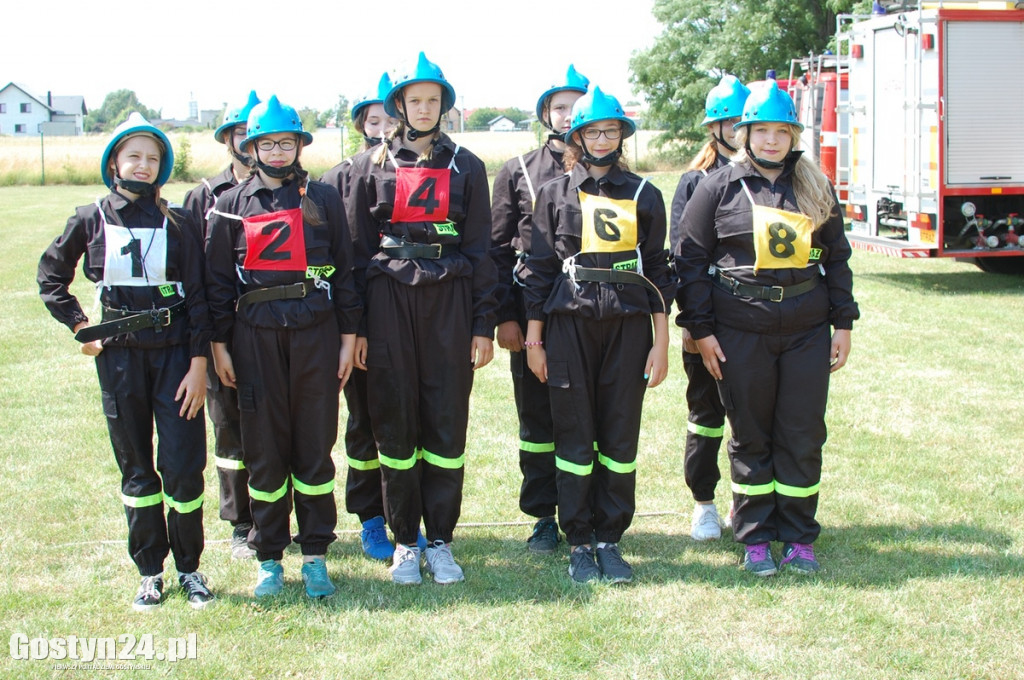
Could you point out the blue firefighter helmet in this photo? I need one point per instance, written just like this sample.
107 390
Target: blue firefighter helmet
725 100
376 97
768 104
233 117
574 81
271 117
134 125
595 106
425 71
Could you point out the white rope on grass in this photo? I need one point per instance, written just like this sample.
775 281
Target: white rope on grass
461 525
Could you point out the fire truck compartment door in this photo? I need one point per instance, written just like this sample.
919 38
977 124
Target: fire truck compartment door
984 100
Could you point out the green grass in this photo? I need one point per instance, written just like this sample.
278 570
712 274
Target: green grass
921 504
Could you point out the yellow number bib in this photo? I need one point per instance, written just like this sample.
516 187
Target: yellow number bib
782 239
609 224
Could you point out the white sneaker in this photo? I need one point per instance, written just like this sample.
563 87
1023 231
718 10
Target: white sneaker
405 567
442 565
706 525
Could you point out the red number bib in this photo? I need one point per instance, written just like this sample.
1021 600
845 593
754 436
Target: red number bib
421 195
275 241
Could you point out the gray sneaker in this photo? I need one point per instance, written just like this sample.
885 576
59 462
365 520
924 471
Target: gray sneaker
582 567
441 564
545 538
405 566
240 549
614 569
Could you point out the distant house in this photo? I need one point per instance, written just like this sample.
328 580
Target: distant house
23 114
501 124
452 121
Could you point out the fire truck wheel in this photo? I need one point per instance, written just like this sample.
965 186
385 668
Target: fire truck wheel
1001 265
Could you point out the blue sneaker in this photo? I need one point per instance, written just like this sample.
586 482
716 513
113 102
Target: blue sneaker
374 538
314 576
799 558
421 541
269 579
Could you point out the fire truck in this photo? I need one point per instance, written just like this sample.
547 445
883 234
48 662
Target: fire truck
917 125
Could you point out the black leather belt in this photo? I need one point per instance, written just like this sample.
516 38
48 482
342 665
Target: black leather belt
770 293
121 321
618 276
293 291
427 251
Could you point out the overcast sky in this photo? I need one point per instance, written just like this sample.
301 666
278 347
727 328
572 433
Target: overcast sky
308 53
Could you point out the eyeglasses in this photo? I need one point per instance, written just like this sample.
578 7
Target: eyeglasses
285 144
594 133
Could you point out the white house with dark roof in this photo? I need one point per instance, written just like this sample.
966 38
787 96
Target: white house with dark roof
23 114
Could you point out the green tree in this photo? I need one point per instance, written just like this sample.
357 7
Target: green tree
336 114
115 109
704 39
310 119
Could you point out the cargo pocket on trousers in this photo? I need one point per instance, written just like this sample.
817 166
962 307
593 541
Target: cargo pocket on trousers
563 401
246 398
109 404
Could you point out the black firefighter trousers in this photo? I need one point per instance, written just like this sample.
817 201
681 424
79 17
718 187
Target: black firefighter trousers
138 388
288 399
596 382
775 389
419 379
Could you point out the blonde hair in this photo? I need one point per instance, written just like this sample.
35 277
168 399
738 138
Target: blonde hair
812 188
705 158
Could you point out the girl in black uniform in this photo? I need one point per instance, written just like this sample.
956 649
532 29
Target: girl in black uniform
279 281
420 206
597 271
515 190
705 423
222 401
150 349
763 263
363 494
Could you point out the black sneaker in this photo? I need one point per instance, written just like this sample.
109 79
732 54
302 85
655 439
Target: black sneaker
545 537
240 549
150 592
194 585
614 568
582 566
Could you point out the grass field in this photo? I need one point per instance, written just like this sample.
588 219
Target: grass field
921 506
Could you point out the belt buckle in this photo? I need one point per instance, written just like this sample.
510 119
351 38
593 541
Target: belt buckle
301 287
160 318
437 248
775 293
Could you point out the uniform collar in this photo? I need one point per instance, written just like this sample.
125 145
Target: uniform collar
145 204
444 142
255 184
224 179
579 176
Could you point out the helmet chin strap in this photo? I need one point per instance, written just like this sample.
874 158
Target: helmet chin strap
372 141
136 187
720 138
411 133
603 161
276 173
